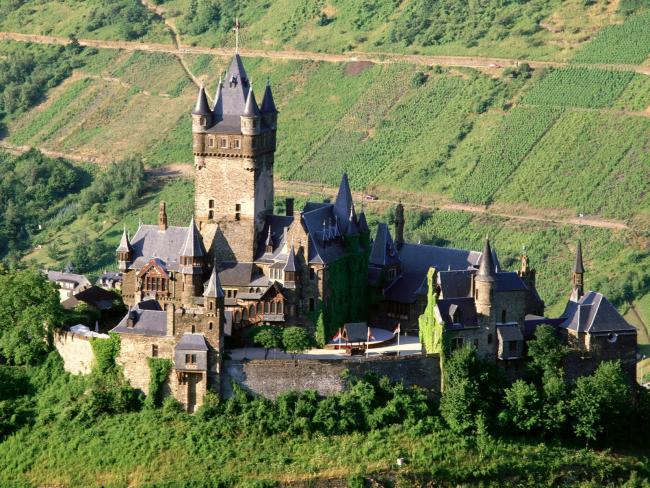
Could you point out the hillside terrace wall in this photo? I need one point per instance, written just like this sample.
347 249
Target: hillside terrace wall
271 377
76 351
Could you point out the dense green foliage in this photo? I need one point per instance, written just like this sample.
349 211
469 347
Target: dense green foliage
33 189
627 43
29 311
429 329
159 369
105 352
578 87
267 336
296 340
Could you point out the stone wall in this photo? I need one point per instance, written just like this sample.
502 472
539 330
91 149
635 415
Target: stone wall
76 351
271 377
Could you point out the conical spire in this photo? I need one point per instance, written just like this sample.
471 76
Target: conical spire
291 260
363 224
343 202
577 264
268 244
268 105
486 269
217 107
125 244
193 247
213 287
202 107
353 228
251 109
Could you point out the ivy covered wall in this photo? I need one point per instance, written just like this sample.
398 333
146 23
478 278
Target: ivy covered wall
347 289
431 332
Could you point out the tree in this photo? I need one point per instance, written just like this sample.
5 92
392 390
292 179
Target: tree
555 403
268 337
523 406
29 310
545 350
600 402
295 340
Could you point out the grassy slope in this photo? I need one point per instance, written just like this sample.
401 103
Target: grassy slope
146 450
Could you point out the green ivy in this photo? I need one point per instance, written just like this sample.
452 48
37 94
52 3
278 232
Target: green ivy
431 331
159 369
105 351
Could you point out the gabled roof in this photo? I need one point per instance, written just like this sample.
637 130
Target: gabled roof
384 252
125 244
456 283
150 242
236 274
275 233
193 245
76 279
321 249
356 332
464 308
192 342
213 286
268 104
201 107
594 314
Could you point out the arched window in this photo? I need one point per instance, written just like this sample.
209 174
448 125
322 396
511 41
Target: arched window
259 308
251 311
272 307
210 325
266 307
244 314
237 317
251 290
280 307
257 290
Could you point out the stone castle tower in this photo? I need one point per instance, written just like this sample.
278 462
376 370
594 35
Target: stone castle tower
484 297
234 150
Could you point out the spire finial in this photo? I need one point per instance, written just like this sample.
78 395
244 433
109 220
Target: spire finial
236 29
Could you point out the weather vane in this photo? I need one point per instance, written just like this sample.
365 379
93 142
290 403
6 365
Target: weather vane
236 29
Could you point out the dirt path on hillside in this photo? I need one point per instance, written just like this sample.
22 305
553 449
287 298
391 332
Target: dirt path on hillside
308 188
645 332
375 58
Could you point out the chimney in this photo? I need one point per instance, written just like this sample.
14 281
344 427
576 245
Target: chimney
288 203
399 225
170 309
162 217
131 319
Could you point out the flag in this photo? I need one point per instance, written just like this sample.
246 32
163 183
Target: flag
370 336
338 336
398 329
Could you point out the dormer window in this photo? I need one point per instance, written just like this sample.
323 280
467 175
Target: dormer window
223 143
456 317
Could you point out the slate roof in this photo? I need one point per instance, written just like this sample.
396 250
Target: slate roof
268 104
125 245
455 284
192 342
343 203
594 314
384 252
363 224
80 280
446 307
201 107
509 281
94 296
193 245
149 242
291 261
509 333
323 248
356 332
213 286
251 109
110 276
148 322
274 228
235 88
577 264
486 269
236 274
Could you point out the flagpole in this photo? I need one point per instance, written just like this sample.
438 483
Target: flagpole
399 329
367 341
237 35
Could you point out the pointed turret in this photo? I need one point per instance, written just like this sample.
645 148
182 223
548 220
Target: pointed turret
268 104
213 286
217 107
363 224
201 115
125 243
353 227
343 202
250 118
251 109
486 269
268 244
124 252
193 246
578 275
290 264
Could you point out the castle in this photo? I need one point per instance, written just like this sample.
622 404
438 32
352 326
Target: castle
238 265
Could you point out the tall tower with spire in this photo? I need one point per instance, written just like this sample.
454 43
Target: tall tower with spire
484 296
234 143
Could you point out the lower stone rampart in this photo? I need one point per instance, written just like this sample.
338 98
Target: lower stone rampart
76 351
270 377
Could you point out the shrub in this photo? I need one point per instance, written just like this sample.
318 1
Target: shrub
159 369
